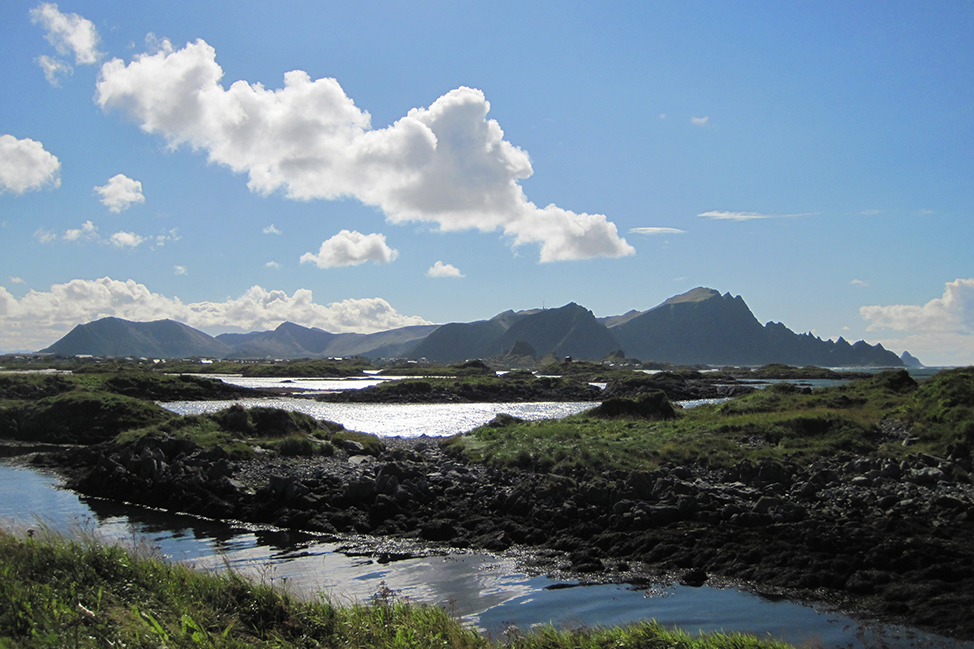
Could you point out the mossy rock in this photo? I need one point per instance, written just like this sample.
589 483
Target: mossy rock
84 417
649 405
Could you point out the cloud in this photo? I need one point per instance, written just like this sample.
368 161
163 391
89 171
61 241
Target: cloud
17 280
653 231
68 33
859 282
40 318
87 232
25 166
125 239
165 237
447 164
45 236
270 229
748 216
351 248
439 269
272 264
951 313
54 69
179 270
870 212
699 121
120 193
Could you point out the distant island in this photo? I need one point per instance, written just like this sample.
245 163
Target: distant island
700 327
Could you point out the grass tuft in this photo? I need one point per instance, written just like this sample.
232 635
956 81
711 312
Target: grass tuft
78 592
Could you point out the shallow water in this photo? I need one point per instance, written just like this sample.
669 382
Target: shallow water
487 591
397 420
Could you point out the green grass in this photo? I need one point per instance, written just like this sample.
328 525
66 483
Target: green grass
77 592
238 430
76 417
780 423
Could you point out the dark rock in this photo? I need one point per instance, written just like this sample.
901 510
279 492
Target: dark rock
438 530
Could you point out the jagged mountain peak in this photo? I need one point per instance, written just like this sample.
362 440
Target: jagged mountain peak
698 294
700 326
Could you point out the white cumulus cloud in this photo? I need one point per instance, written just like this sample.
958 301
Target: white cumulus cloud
351 248
940 332
87 232
125 239
120 193
439 269
41 317
270 229
26 166
179 270
68 33
952 312
447 164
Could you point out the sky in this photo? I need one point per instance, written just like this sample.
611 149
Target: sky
370 165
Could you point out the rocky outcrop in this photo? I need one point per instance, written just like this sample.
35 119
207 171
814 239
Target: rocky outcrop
891 536
499 390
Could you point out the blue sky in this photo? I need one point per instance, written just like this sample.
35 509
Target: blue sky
362 166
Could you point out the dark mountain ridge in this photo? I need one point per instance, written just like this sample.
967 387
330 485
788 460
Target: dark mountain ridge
157 339
699 327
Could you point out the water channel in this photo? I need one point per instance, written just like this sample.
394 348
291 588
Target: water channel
488 591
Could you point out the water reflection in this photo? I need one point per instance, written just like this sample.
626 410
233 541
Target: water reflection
397 420
488 591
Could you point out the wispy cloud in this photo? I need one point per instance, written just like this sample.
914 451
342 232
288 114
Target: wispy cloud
69 34
179 270
870 212
439 269
859 282
654 231
748 216
447 165
44 235
272 264
166 237
17 280
351 248
700 121
26 166
270 229
120 193
54 69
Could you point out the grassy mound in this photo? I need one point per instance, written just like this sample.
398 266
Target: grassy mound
780 423
76 592
77 417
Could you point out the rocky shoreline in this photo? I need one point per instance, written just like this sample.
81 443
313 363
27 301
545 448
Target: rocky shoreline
886 539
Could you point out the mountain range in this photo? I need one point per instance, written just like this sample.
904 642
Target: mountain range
698 327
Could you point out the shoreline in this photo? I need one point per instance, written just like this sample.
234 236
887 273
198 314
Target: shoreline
804 533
